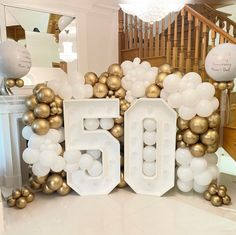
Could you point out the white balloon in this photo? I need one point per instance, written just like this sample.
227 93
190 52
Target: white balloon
78 91
27 132
106 123
183 156
137 60
62 134
199 188
30 156
204 108
72 156
35 141
185 173
220 62
54 135
91 124
214 171
55 84
204 178
130 99
146 65
149 153
58 148
59 164
48 158
205 90
40 170
64 21
198 165
70 167
138 89
96 154
171 83
65 92
88 91
149 124
193 78
182 85
96 169
186 113
149 137
184 186
211 158
85 161
164 95
149 168
190 98
215 103
175 100
126 66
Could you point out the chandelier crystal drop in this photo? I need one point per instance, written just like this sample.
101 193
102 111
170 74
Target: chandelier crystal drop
151 10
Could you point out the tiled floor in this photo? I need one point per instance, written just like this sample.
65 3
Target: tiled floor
121 213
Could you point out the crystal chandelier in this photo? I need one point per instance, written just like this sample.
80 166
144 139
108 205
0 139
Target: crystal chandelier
151 10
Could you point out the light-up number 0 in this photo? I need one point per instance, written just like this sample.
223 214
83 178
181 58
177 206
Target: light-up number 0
150 130
77 138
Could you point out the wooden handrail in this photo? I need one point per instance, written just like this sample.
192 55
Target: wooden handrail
210 24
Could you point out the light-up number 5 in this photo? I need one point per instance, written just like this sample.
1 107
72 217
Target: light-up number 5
77 138
150 130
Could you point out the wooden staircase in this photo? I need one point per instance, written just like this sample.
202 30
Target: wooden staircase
181 39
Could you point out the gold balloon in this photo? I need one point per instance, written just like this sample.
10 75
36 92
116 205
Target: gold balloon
216 84
21 203
54 110
25 192
212 148
42 111
16 193
91 78
179 74
120 93
28 118
123 101
10 83
213 185
226 200
46 189
63 174
45 95
103 79
64 189
216 200
222 86
11 201
100 90
122 161
30 197
212 190
110 93
34 185
223 188
55 121
122 183
59 101
54 182
210 137
189 137
115 69
221 193
40 179
117 131
182 124
181 144
198 125
38 87
160 79
197 150
230 85
19 82
179 137
153 91
59 111
166 68
40 126
119 120
207 195
214 120
114 82
31 102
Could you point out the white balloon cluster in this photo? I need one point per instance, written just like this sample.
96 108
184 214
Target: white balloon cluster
92 124
189 95
90 161
137 77
195 173
44 151
74 87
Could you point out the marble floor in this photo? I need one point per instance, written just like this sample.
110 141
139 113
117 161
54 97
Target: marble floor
122 213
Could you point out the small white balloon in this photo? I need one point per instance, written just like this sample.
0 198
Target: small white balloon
186 113
138 89
215 103
40 170
96 169
71 167
36 141
184 186
106 123
214 171
190 98
199 188
48 158
175 100
149 168
88 91
149 124
72 156
185 173
137 60
204 108
62 134
30 156
65 92
91 124
205 90
193 78
183 156
204 178
149 137
78 91
27 132
164 95
96 154
54 135
59 164
198 165
171 83
149 153
146 65
85 161
55 85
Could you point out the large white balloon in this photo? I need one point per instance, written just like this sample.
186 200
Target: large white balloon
203 178
184 186
27 132
189 98
183 156
204 108
198 165
186 113
171 83
175 100
205 90
185 173
30 156
220 62
193 78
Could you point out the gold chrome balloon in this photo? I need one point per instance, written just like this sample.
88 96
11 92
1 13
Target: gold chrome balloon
16 193
226 200
59 101
182 124
28 118
19 83
54 182
198 125
212 148
117 131
11 202
55 121
10 83
222 86
210 137
223 188
216 84
91 78
64 189
221 192
25 192
38 87
207 195
45 95
179 74
114 82
179 137
166 68
30 197
216 200
115 69
197 150
212 190
34 185
120 93
214 120
42 111
31 102
54 110
181 144
46 189
40 126
153 91
119 120
122 183
21 203
100 90
230 85
160 79
189 137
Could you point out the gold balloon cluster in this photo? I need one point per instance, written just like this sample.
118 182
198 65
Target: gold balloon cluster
55 182
10 83
200 134
20 197
224 85
217 195
108 85
45 110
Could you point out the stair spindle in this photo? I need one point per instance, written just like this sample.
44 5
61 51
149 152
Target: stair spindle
204 50
151 41
197 42
213 38
145 40
140 38
157 51
131 31
181 55
175 48
163 39
188 60
168 48
126 32
135 32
